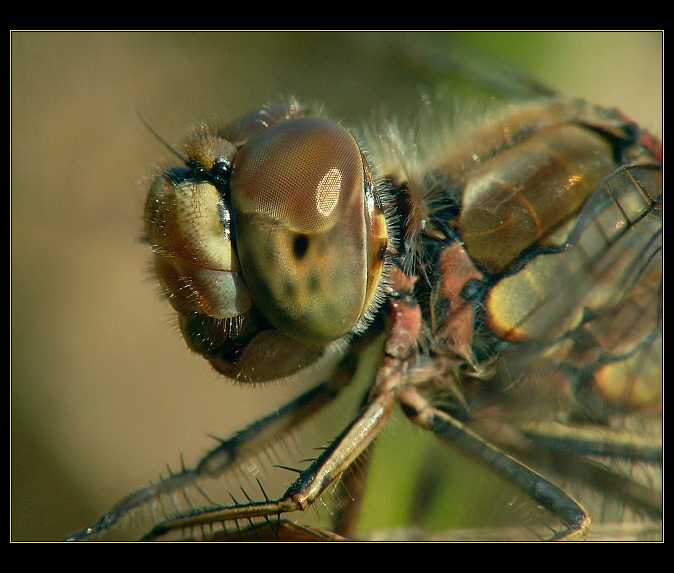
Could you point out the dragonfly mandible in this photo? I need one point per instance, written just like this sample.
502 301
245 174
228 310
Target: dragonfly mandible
503 275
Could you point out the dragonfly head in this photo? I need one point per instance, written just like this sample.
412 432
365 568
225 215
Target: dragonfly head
271 226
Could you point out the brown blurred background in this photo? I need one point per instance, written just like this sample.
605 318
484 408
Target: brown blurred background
103 390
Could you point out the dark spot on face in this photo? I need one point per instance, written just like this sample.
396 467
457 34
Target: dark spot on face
289 290
300 246
314 282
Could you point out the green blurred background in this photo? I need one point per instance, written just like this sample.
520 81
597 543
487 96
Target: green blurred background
103 390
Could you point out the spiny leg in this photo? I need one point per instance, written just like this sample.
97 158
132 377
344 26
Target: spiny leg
312 482
230 452
349 495
404 323
571 513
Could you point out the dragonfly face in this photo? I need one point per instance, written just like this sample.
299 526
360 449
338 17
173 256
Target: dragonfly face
254 244
506 275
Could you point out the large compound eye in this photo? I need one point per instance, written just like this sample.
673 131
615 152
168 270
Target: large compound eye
310 237
195 260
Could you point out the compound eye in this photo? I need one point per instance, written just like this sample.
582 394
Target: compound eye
304 225
195 260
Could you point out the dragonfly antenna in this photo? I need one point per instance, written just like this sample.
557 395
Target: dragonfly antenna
159 138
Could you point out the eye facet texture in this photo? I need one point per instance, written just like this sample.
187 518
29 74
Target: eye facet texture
298 197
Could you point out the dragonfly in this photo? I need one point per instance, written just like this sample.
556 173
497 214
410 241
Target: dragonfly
495 281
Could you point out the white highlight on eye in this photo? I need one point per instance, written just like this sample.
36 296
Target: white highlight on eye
327 191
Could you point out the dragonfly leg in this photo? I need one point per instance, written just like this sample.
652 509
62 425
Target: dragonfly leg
329 467
593 456
571 513
230 452
310 484
349 496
